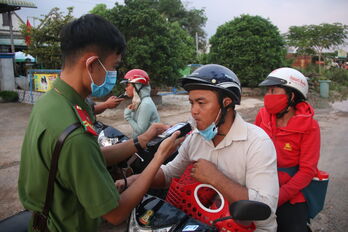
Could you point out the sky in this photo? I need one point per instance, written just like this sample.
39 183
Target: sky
282 13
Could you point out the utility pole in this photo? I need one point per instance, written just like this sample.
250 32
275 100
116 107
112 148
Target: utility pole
196 43
11 30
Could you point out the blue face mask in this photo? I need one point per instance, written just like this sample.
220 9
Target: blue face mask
210 132
106 87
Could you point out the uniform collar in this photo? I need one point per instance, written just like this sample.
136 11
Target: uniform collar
62 88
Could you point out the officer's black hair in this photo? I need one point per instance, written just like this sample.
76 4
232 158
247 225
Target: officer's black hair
90 33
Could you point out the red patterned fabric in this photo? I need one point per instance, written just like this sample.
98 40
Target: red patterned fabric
181 194
85 120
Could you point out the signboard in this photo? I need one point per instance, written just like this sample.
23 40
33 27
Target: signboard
43 82
342 53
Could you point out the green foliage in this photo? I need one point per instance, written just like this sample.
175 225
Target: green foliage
317 37
45 44
154 44
309 39
9 96
99 9
337 75
250 45
192 20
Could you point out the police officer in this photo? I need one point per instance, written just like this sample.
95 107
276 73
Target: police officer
84 192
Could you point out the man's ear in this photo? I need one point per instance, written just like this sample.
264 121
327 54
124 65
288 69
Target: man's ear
89 62
227 101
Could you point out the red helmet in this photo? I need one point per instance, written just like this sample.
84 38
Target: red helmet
137 76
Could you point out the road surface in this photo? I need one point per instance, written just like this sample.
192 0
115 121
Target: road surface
333 120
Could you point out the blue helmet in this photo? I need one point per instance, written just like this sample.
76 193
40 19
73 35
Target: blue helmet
214 77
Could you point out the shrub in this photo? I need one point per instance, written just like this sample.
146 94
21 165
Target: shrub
9 96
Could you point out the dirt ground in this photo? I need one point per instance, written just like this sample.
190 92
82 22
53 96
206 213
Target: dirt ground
333 119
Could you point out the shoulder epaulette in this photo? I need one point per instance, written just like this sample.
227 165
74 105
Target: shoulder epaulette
85 120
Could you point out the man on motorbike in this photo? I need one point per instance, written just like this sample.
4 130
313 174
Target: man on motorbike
84 191
235 157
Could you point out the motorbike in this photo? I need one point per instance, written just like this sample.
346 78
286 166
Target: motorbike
157 215
108 135
159 210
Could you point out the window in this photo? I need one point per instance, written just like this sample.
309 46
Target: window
5 21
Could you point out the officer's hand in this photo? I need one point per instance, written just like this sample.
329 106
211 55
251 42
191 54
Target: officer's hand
168 146
154 130
113 102
204 171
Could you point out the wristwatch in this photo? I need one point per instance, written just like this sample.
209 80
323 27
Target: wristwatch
137 145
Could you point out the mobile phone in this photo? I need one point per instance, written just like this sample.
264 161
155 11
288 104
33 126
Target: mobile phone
183 127
122 96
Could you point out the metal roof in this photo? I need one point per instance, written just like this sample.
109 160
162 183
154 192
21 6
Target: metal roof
12 5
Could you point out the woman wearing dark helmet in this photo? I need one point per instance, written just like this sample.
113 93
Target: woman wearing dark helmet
288 119
235 157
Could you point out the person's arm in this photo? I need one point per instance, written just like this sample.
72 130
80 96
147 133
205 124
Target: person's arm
173 169
309 157
205 171
110 103
143 121
121 151
157 182
261 182
133 195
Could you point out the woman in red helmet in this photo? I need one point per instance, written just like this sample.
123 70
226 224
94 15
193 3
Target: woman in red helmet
142 112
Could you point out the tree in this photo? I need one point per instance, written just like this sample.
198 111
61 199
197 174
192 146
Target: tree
44 40
192 20
154 44
250 45
316 37
100 9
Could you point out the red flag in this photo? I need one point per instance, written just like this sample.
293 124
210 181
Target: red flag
27 38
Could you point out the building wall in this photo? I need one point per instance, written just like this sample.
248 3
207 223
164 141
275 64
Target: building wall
7 81
300 61
5 32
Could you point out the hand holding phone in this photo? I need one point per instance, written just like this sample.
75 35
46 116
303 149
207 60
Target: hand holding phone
122 96
183 127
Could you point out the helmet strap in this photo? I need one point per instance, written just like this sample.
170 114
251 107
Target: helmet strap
286 109
223 110
138 90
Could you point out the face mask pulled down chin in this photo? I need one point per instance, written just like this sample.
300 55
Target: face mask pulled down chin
211 131
107 86
275 103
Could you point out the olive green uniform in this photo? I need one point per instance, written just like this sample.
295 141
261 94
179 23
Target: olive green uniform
83 190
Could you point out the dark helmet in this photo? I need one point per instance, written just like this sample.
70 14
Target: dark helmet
214 77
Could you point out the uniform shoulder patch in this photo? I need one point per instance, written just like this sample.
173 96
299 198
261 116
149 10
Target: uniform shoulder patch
85 120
